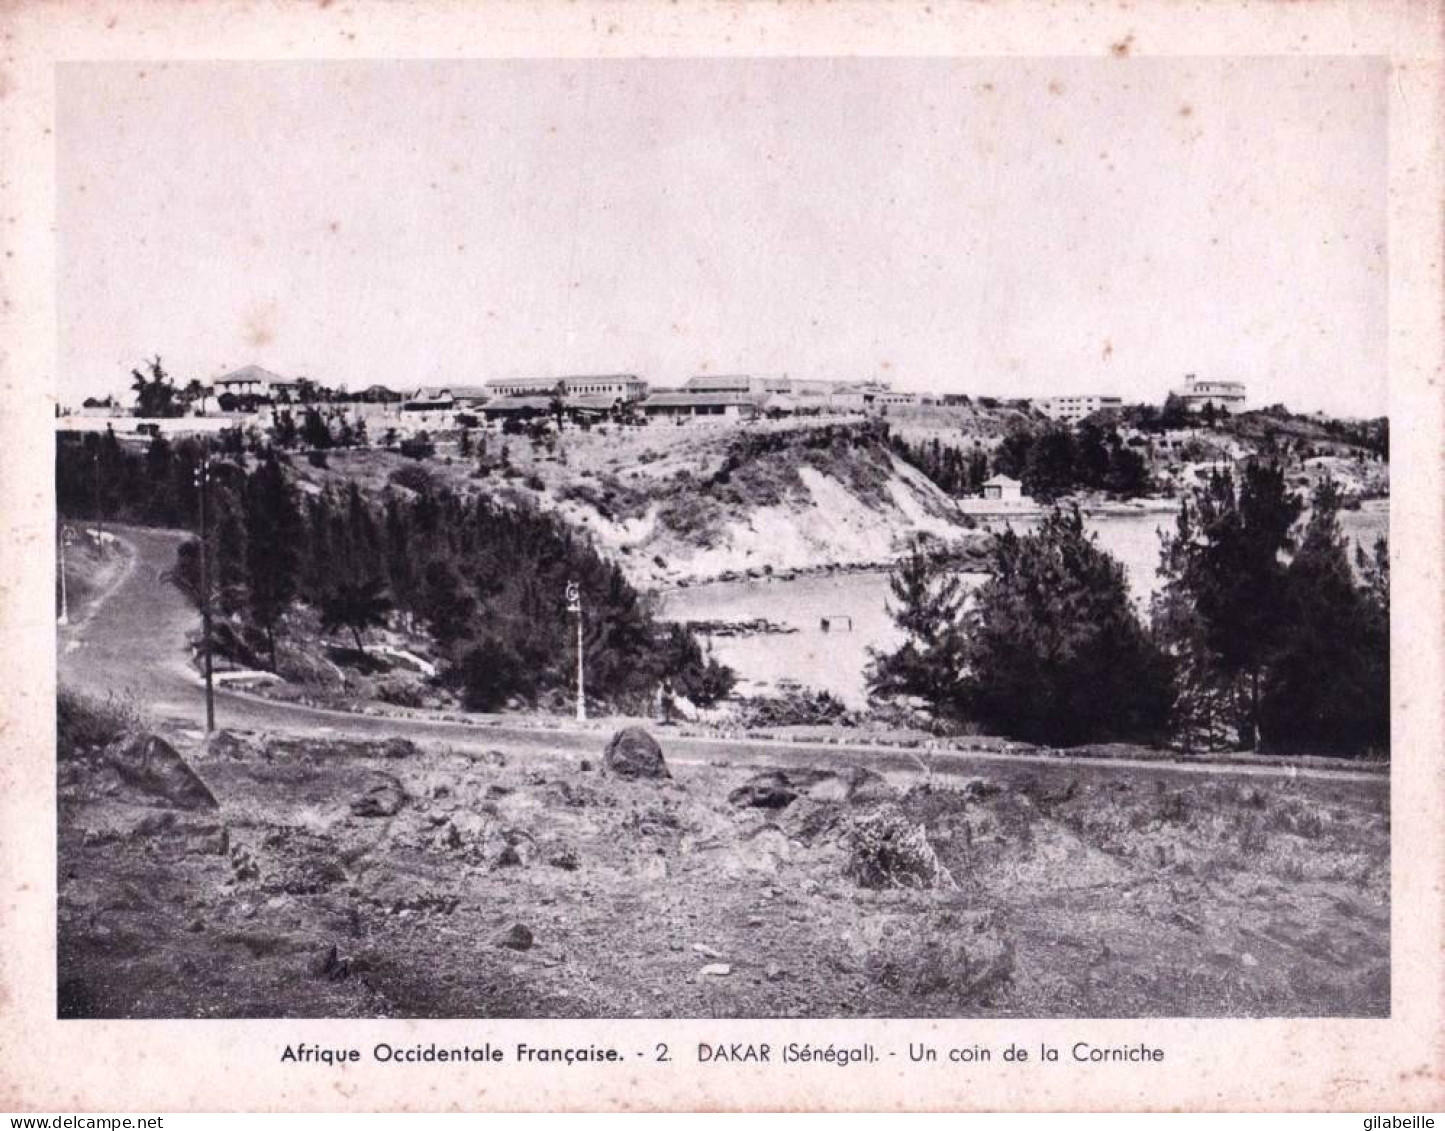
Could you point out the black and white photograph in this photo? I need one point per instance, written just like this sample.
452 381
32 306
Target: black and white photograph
788 537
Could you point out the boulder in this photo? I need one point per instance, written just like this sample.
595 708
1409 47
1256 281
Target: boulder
384 797
151 766
769 790
633 753
238 745
516 937
852 784
509 857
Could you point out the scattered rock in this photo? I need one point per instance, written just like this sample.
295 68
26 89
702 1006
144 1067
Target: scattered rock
585 765
1248 959
315 749
234 744
768 790
516 937
509 857
774 972
866 787
151 766
332 966
715 970
384 798
565 859
706 951
633 753
853 785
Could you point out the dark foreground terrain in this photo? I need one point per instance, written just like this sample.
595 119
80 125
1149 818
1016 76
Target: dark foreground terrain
313 877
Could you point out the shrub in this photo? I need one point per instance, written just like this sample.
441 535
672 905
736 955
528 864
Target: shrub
84 723
419 446
490 675
886 850
795 707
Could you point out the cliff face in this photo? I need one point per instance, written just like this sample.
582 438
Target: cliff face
780 502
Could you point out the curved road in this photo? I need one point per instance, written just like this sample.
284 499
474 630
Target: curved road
131 641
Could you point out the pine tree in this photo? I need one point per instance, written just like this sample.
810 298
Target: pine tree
1225 568
273 536
927 599
1328 685
356 607
230 553
1054 650
315 433
284 433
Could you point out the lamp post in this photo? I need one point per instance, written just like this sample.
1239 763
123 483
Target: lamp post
574 605
203 479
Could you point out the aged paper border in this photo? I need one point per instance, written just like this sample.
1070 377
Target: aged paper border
49 1066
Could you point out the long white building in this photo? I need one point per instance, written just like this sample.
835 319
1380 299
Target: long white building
1073 407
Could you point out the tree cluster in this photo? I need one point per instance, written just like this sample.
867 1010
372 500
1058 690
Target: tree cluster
1278 643
1048 649
957 471
1058 461
1264 635
486 580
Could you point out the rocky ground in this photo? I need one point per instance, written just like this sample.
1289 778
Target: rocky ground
267 876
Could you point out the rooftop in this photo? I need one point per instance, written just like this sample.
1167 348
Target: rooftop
681 400
252 375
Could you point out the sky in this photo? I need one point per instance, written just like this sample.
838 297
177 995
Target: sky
992 227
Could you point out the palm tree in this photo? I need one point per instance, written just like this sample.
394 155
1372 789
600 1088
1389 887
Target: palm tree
156 396
357 607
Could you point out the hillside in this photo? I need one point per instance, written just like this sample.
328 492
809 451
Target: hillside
761 503
1172 451
677 505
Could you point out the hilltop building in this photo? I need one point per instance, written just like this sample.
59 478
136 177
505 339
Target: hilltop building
1196 393
727 405
737 383
1072 408
619 386
249 381
379 394
430 400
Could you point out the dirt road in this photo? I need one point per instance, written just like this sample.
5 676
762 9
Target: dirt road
131 641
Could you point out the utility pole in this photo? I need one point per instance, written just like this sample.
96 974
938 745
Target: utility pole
203 478
99 514
574 605
64 617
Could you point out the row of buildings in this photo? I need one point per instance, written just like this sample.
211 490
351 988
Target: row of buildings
721 396
715 397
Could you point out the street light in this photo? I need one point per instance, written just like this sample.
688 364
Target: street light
202 476
574 605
